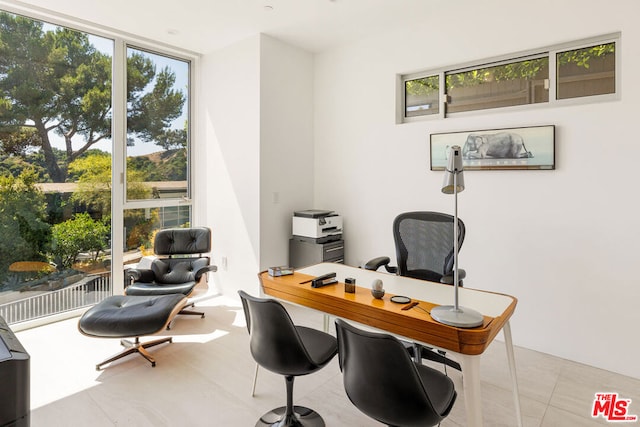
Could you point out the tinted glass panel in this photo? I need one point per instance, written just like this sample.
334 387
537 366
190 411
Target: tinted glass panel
505 85
586 72
422 96
140 226
55 168
157 126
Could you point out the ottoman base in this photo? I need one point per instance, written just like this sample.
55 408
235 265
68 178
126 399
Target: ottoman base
136 346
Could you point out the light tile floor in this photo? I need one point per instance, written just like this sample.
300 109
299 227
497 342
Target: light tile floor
204 379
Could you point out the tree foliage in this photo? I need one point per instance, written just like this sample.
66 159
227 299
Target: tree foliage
423 86
584 57
23 227
93 174
529 69
79 234
56 82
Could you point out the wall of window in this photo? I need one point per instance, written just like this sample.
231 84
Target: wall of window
94 158
582 71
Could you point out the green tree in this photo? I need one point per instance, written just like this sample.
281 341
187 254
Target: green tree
16 140
25 233
93 174
79 234
55 81
14 165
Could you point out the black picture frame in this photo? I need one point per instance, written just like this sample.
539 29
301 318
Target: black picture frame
519 148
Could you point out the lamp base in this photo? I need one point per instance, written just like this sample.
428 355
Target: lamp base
461 317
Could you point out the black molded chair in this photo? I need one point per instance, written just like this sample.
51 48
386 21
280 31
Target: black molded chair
180 267
280 346
383 382
424 250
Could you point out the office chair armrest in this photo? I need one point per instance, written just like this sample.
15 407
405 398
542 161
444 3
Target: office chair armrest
448 279
205 270
378 262
140 275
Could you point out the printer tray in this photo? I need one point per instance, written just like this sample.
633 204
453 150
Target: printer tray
325 239
312 213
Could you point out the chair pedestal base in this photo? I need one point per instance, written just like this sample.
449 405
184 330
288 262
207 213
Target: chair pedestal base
301 417
135 347
291 415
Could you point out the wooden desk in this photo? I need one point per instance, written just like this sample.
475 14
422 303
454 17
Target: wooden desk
414 324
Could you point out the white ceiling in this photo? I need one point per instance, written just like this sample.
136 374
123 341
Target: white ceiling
206 25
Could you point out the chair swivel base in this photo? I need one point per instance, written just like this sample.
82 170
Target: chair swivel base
301 416
135 347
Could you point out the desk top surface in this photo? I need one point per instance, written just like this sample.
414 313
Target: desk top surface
415 324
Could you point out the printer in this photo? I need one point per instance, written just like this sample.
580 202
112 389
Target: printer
317 226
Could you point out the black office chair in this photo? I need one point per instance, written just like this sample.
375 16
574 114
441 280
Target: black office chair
424 247
280 346
383 382
180 268
424 250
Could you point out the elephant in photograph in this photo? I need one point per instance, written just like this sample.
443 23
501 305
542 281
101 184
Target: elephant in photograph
502 145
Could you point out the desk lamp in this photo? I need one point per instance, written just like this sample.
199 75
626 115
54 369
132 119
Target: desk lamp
454 315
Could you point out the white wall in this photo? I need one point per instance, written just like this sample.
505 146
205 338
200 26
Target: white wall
230 102
286 145
563 242
256 100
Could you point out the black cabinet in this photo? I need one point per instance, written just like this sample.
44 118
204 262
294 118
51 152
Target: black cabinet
303 252
14 380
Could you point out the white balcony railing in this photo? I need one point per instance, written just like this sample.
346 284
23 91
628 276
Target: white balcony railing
88 291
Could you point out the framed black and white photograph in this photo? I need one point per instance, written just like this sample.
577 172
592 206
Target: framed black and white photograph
512 148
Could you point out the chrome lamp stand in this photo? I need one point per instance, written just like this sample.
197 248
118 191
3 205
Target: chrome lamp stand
454 315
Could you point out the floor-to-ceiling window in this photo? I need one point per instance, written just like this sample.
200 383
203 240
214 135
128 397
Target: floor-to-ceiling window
94 157
157 148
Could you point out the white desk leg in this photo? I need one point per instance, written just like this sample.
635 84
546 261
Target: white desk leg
471 385
506 330
326 322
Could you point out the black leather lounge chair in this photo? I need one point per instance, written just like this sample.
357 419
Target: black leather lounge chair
180 265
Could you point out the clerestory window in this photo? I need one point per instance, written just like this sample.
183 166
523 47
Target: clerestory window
577 72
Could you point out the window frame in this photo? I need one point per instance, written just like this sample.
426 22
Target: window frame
170 201
549 51
119 202
617 79
121 41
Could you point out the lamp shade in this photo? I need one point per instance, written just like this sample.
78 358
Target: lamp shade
454 167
